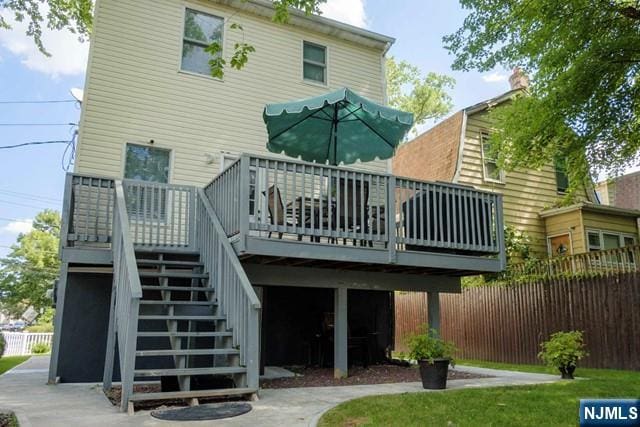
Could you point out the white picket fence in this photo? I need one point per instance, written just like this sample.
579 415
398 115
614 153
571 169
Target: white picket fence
21 343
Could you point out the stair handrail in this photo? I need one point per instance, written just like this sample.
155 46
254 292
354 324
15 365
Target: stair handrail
235 296
126 293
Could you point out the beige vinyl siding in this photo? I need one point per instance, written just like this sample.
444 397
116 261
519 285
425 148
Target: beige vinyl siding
569 222
608 222
526 192
135 92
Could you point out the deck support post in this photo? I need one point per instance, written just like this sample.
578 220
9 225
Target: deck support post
340 329
61 292
433 310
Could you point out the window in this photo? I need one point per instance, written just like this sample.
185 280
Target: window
491 170
314 63
200 30
147 164
562 179
603 240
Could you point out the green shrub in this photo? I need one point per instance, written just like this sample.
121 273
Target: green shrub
2 344
429 346
40 328
40 348
563 350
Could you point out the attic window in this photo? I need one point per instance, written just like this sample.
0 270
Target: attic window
200 31
562 178
314 63
491 171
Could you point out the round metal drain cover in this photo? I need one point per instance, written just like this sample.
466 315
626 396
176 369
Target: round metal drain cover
212 411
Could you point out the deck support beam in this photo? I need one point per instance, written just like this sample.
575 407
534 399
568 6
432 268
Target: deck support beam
340 339
433 310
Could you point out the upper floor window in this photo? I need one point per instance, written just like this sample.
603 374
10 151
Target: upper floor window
314 63
200 30
562 178
491 170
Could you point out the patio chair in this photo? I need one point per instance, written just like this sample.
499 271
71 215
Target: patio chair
353 193
277 211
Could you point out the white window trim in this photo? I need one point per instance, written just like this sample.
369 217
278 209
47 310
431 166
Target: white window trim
551 236
601 233
326 65
215 14
486 178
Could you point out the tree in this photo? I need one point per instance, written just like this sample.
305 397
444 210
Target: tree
31 268
425 97
583 57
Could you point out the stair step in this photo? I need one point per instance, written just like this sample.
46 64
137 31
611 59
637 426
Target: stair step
227 370
174 274
192 352
177 288
139 397
167 251
170 317
184 334
142 261
159 302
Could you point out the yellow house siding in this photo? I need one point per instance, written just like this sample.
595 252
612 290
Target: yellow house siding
526 191
606 222
135 92
569 222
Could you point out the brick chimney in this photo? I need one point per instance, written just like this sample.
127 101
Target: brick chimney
518 79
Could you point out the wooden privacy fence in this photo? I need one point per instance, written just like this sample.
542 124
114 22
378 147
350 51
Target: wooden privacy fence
507 324
21 343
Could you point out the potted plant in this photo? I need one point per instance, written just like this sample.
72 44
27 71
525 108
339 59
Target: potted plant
563 351
433 355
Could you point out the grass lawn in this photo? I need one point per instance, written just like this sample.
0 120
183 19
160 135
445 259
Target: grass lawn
9 362
539 405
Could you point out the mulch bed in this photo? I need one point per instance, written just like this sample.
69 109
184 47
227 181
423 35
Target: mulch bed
377 374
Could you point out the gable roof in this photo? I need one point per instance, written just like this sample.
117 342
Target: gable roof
442 143
315 23
432 156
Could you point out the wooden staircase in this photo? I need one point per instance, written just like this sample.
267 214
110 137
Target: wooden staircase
182 339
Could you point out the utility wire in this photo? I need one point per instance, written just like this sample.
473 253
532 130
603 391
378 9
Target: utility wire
28 195
27 206
57 101
38 124
25 144
14 219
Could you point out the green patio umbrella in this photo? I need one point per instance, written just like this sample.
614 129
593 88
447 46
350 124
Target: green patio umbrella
339 127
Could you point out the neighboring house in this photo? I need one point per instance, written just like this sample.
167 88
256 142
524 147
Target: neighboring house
456 151
200 256
621 192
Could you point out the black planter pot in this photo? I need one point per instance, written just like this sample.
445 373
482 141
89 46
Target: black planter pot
434 375
567 372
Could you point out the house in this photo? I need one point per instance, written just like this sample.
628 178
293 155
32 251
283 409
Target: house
192 257
457 151
622 192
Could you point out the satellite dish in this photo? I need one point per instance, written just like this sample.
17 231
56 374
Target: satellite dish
78 94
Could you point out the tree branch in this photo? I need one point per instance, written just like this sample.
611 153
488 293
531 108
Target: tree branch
630 12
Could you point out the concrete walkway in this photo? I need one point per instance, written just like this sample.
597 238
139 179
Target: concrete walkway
24 391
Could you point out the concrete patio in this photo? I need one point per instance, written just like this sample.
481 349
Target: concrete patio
24 391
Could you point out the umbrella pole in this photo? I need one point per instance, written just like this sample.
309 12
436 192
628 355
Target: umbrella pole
335 135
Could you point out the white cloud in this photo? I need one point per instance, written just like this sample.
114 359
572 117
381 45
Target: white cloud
347 11
17 227
68 54
495 77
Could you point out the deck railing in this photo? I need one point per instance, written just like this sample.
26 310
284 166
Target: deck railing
236 298
274 198
87 210
125 301
610 261
161 215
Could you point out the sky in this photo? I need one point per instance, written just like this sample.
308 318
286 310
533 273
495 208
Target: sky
32 178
